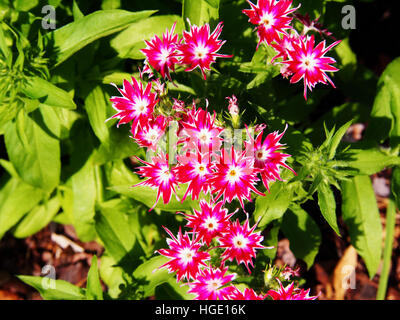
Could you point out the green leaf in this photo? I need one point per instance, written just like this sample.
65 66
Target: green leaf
62 290
84 199
327 204
94 290
16 199
76 12
200 12
37 161
148 196
114 230
271 240
25 5
336 139
370 161
129 42
112 275
96 108
149 274
37 218
273 205
75 35
47 93
361 214
396 185
303 234
385 115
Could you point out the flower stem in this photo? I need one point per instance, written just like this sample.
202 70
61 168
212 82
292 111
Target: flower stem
387 253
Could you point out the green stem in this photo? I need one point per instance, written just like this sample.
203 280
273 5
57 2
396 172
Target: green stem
387 253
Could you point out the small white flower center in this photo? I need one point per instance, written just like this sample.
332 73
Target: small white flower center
186 255
152 135
262 154
204 136
234 174
214 284
210 223
164 55
141 105
240 242
201 169
267 19
200 51
165 175
309 62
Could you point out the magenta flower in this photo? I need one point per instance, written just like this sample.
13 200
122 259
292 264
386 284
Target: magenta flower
210 284
159 176
201 133
285 44
233 107
135 105
234 177
290 293
186 259
266 156
310 64
247 294
241 243
196 171
200 47
162 54
151 133
210 222
271 18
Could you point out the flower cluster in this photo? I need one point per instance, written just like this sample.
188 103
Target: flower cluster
198 48
190 149
212 228
301 57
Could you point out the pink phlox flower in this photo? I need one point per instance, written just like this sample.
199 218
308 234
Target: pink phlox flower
233 107
240 243
185 256
310 63
194 169
234 176
211 284
151 133
271 18
161 54
210 221
135 105
285 44
246 294
290 292
200 48
160 176
267 157
201 133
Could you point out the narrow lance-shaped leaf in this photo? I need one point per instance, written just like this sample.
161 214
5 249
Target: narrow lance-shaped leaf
75 35
129 42
370 161
47 93
37 218
16 199
96 108
200 12
327 204
94 290
361 214
51 289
